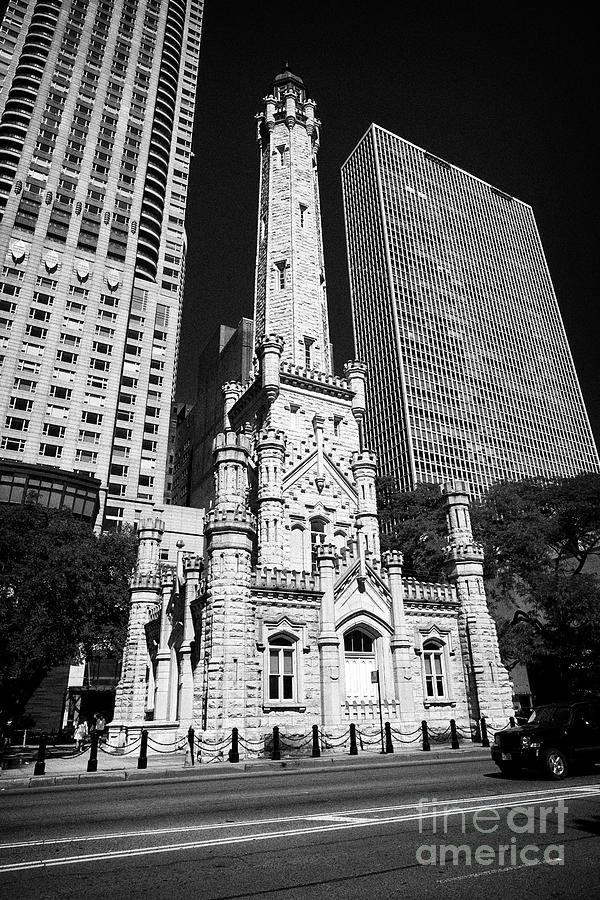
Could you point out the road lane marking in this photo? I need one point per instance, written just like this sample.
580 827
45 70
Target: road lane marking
487 802
250 838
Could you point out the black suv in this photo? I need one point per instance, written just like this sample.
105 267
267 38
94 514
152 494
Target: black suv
556 738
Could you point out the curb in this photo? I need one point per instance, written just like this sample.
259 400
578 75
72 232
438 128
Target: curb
239 770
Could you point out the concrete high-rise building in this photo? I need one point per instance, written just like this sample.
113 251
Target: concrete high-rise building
96 111
470 373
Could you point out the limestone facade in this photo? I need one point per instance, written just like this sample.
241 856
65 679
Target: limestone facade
290 608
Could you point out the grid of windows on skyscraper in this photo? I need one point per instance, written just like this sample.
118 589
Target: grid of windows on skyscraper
449 278
97 103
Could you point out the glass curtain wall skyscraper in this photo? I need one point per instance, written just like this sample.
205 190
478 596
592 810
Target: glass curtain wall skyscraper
96 111
470 372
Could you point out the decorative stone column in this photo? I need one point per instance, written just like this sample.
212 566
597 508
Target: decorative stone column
146 594
401 643
271 452
328 640
488 685
268 352
231 667
356 373
163 656
192 566
131 695
364 469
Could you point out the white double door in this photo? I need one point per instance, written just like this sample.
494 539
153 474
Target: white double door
359 686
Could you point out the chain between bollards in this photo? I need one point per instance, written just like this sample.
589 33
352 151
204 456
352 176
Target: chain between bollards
40 765
234 753
276 754
143 757
426 744
92 765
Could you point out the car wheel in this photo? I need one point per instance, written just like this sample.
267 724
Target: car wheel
555 764
509 768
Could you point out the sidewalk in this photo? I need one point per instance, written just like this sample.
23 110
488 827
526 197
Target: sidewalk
72 770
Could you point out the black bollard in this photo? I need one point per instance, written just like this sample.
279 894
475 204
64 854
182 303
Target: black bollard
276 754
234 753
353 747
389 747
190 737
454 735
316 749
511 721
40 765
485 741
143 757
426 745
92 765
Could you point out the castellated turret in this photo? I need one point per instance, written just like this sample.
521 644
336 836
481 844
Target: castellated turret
489 690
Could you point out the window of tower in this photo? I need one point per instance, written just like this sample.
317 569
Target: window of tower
308 360
281 274
303 211
317 535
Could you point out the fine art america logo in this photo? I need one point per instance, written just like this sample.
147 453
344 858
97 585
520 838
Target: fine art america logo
488 829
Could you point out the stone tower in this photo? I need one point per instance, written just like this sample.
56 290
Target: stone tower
290 297
296 619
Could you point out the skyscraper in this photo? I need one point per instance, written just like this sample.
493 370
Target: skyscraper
454 312
96 111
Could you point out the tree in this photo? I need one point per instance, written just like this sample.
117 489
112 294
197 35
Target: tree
415 523
541 538
64 593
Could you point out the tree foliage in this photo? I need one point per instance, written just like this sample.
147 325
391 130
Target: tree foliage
415 523
64 595
541 538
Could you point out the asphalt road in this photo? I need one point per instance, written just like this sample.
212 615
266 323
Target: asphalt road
340 833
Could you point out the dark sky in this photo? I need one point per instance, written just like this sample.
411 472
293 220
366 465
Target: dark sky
504 91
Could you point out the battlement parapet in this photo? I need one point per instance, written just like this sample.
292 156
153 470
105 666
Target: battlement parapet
269 342
467 551
167 574
192 561
355 366
271 438
450 488
316 376
364 457
150 581
270 577
151 523
428 591
231 514
393 559
231 440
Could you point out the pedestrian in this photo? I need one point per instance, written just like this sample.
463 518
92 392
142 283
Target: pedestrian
99 724
81 733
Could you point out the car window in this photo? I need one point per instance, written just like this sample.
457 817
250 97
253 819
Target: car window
550 715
